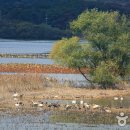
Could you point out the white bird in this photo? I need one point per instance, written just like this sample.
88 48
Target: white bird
35 104
121 98
16 95
74 102
107 110
40 105
86 105
81 102
116 98
95 106
56 96
18 104
68 107
15 99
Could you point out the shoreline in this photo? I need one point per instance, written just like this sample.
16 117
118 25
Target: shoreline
37 88
24 55
60 94
38 68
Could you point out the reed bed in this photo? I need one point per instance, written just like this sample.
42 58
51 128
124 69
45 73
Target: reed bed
10 83
22 83
42 87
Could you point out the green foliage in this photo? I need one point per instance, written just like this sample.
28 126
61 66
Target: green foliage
109 35
107 51
68 52
105 74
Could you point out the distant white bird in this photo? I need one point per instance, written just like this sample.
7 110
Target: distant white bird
95 106
35 104
74 102
121 98
107 111
40 105
81 102
56 96
86 105
18 104
17 95
68 107
116 98
15 99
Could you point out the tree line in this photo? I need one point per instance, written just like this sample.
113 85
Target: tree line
57 14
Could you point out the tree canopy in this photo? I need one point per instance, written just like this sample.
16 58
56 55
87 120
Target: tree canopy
107 50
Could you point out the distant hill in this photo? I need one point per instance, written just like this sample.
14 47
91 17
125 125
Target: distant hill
55 13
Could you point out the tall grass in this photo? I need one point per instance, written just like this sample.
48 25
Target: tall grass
23 82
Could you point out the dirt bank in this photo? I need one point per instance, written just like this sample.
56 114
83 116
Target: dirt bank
35 68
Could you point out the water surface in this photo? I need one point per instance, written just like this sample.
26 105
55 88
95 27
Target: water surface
43 122
26 60
25 47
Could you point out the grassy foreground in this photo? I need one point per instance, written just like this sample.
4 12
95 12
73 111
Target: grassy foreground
37 87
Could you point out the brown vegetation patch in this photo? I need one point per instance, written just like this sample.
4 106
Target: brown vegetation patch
36 87
35 68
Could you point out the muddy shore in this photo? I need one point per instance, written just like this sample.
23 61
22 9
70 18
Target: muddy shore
35 68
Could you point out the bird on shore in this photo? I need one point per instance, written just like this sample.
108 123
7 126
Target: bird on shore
68 107
107 111
116 98
86 105
15 99
81 102
40 104
95 106
121 98
19 104
73 101
35 104
17 95
54 105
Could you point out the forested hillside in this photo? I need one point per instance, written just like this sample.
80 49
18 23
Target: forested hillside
31 19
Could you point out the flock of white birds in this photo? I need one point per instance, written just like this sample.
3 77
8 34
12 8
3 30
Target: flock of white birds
17 96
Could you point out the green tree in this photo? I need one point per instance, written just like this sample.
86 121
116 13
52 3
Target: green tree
106 53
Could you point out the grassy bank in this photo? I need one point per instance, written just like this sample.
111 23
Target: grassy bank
36 87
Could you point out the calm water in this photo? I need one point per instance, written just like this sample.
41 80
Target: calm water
76 80
43 122
26 60
25 47
21 46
